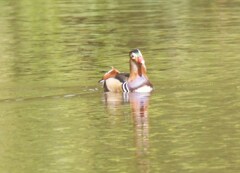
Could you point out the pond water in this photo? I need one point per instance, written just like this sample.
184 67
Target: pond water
54 116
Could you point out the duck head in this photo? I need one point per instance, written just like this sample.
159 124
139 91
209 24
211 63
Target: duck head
137 64
136 56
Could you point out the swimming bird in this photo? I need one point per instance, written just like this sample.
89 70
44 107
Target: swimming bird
135 81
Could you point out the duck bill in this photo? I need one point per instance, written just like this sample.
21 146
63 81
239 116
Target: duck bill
140 60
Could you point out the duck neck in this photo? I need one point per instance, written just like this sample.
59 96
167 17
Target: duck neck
137 70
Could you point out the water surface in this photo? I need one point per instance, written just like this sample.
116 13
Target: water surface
54 116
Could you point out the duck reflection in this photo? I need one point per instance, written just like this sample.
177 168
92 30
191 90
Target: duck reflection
115 101
139 110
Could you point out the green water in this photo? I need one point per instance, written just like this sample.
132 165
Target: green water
54 116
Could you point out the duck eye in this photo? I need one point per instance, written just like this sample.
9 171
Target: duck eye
132 56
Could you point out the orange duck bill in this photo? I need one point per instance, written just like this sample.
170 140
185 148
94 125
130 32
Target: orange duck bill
136 81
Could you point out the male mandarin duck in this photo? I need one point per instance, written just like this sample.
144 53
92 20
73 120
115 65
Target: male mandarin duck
136 81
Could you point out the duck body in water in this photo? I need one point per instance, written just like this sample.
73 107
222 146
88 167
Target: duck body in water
135 81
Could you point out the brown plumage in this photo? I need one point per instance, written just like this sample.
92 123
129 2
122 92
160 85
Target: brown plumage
136 81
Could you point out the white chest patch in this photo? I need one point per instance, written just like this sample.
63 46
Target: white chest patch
143 89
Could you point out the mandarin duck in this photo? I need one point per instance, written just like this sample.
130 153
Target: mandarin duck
135 81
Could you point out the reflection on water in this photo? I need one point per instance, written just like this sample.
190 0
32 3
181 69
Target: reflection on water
139 110
139 106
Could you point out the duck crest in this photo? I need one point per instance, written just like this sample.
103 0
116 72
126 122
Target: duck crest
136 81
